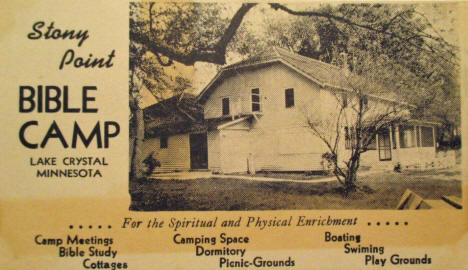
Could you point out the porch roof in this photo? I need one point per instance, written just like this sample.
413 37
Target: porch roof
197 126
422 122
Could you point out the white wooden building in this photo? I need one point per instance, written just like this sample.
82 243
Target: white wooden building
254 119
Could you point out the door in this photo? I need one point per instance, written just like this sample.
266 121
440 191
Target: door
385 149
198 151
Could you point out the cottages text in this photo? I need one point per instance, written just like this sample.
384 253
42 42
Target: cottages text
70 57
54 99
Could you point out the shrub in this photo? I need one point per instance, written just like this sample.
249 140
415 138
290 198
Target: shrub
150 163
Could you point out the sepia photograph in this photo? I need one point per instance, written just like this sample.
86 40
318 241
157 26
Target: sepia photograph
275 106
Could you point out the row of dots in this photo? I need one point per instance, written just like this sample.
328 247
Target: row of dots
388 223
89 227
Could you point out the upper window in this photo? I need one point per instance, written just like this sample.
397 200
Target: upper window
163 142
226 106
255 100
289 97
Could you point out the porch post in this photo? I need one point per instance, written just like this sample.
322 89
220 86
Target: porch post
418 149
434 137
420 136
391 140
377 146
415 137
397 150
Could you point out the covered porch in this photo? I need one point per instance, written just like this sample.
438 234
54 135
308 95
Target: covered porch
412 144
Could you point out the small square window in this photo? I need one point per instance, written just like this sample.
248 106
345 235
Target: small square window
289 97
163 142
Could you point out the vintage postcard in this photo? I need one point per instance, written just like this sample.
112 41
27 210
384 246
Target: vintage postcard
233 135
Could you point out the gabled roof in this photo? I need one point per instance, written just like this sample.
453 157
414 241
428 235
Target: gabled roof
179 108
182 114
325 75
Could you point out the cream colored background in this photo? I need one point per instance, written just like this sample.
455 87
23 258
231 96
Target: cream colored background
29 206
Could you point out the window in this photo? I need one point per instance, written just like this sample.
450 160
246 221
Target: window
255 100
163 142
407 138
347 138
427 137
289 97
350 138
225 106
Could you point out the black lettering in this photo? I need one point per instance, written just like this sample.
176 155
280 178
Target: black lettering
86 99
38 33
26 99
96 132
72 55
108 134
54 132
66 109
49 99
21 134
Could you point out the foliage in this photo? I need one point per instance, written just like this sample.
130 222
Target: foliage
151 163
420 64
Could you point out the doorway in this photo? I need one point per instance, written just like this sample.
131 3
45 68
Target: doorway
198 151
385 148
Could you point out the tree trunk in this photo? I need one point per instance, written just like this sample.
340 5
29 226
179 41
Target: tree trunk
351 176
137 169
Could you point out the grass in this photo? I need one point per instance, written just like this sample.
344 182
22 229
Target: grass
289 175
379 191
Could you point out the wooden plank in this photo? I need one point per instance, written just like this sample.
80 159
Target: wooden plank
454 201
437 204
409 201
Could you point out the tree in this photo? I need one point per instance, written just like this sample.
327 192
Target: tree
357 116
166 35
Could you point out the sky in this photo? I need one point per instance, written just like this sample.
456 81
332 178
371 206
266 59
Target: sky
443 19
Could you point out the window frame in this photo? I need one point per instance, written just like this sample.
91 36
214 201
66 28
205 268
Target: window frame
225 110
403 140
252 102
163 142
425 130
286 99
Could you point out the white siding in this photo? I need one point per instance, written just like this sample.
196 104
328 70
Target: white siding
173 158
214 163
234 150
280 139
